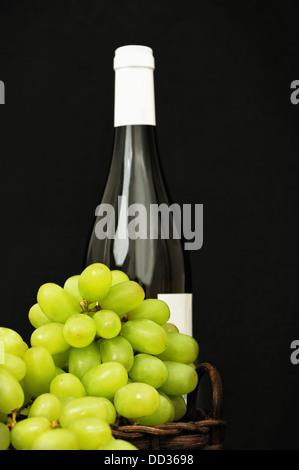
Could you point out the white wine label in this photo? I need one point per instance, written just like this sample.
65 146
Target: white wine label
180 306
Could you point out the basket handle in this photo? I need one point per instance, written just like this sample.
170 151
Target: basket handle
217 392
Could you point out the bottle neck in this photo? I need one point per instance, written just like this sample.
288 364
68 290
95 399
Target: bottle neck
135 151
134 100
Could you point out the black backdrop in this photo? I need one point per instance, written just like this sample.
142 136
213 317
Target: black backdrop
228 138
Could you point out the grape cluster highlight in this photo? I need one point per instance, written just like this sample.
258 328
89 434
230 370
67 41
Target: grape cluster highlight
100 354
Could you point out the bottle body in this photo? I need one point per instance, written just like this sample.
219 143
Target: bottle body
135 178
135 229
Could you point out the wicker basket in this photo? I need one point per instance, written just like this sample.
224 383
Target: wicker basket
199 431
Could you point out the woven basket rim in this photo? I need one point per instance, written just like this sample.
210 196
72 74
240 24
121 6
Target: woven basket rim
169 428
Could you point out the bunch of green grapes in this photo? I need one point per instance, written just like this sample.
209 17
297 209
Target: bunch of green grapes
100 354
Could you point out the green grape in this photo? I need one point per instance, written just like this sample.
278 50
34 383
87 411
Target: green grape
37 317
61 359
171 419
3 417
117 349
181 379
91 432
145 336
117 444
170 327
85 407
148 369
95 282
71 286
118 276
25 348
15 365
67 385
153 309
164 414
111 411
123 297
2 353
50 337
108 323
180 348
83 359
24 433
180 406
11 392
4 437
104 380
98 342
56 303
47 405
27 396
79 330
13 342
64 400
40 371
91 308
56 439
136 399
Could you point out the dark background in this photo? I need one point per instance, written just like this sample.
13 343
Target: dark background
228 138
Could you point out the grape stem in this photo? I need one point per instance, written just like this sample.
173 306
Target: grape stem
13 420
95 309
84 304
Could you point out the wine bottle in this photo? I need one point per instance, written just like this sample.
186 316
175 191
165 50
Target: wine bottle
134 230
